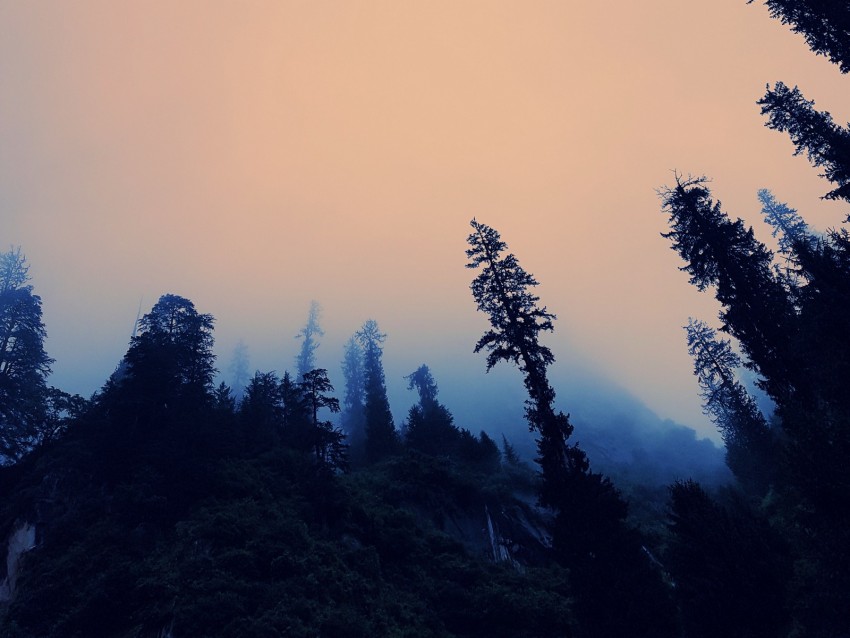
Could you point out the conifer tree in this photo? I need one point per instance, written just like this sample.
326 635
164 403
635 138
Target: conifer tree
170 362
787 225
353 404
503 291
750 445
793 330
725 255
616 590
381 437
261 411
430 425
295 418
328 445
240 366
24 364
813 132
824 23
309 334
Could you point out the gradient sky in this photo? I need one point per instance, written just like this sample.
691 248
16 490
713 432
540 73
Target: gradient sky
253 156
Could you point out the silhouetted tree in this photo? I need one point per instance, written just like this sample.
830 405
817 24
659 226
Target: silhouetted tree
430 425
824 23
792 327
61 409
353 402
24 365
381 438
509 453
725 255
328 441
617 593
787 225
826 144
261 411
170 363
751 451
296 415
306 359
503 291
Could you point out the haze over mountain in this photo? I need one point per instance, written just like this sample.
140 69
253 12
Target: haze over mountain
255 157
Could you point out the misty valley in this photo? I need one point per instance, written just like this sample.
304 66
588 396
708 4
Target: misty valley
192 496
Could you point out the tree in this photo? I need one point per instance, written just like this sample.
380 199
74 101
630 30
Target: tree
826 144
725 255
787 225
792 328
381 437
430 425
503 291
617 592
751 451
261 411
170 363
306 359
353 403
240 367
24 364
824 23
328 443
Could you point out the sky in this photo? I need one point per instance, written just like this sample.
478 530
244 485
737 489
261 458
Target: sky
254 156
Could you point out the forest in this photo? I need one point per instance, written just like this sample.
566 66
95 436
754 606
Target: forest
172 503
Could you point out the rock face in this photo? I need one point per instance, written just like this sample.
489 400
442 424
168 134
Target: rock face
20 541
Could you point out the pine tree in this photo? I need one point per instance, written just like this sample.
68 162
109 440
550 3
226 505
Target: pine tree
240 370
295 418
328 441
24 364
353 404
503 291
723 254
824 23
430 425
261 411
826 144
309 334
786 223
750 446
617 592
170 364
381 437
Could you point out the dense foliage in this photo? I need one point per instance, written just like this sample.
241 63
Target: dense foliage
789 318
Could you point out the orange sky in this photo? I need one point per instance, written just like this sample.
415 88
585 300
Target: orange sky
253 156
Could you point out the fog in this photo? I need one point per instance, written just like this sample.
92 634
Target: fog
253 157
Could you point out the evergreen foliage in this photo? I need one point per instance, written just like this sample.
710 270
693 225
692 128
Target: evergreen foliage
787 224
792 329
381 438
617 591
430 425
824 23
328 443
751 448
306 359
353 403
730 566
24 364
825 143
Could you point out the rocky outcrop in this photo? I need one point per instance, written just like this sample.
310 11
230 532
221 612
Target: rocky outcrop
20 541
